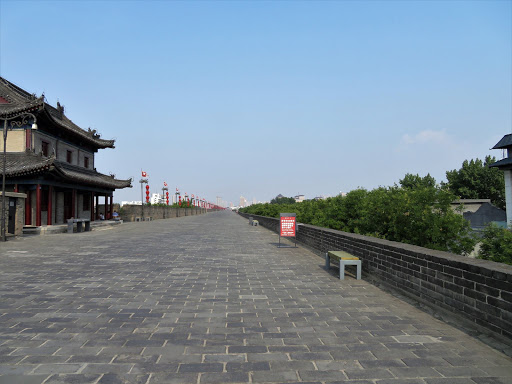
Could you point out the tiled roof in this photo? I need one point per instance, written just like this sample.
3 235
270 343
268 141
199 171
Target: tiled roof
505 142
26 163
86 176
89 135
19 99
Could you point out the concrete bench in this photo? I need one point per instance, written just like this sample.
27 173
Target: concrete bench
255 223
81 225
345 259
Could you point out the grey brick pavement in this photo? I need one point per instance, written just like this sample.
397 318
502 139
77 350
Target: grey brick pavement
209 299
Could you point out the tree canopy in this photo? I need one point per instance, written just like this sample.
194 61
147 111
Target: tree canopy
411 181
421 216
475 180
282 200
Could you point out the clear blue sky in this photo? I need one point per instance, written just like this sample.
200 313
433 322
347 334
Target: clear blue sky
261 98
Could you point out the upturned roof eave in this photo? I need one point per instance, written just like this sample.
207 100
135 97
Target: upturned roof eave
96 142
19 100
89 177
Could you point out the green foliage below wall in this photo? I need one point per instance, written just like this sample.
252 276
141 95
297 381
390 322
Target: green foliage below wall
496 244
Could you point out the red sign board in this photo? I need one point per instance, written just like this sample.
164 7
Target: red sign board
287 225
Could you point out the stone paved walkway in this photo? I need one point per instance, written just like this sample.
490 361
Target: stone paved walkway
209 299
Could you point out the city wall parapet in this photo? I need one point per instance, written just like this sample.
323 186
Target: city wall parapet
132 212
473 290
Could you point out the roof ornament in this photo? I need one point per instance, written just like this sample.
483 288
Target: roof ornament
93 133
60 109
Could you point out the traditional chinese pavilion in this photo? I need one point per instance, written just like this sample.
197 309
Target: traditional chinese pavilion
52 162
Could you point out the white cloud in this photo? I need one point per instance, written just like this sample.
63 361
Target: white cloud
427 136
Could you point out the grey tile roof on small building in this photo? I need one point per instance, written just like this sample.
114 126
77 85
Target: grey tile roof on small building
505 142
505 163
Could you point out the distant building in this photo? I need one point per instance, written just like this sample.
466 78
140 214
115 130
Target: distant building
156 198
480 212
299 198
243 202
131 203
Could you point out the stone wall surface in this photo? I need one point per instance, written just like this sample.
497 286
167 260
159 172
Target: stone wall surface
478 291
131 212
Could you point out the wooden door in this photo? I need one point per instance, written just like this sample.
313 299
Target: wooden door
68 205
11 223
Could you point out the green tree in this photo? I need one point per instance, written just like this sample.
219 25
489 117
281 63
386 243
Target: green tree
282 200
496 244
411 181
419 213
475 180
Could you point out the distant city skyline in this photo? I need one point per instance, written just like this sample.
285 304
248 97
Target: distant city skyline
259 98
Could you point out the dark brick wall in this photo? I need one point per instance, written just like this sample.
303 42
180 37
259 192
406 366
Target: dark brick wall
476 290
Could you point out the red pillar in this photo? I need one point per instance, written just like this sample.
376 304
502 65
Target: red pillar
111 207
106 208
50 208
16 188
96 210
73 203
92 206
28 209
28 139
38 205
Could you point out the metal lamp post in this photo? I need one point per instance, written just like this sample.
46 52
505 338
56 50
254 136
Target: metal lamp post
142 182
19 123
163 193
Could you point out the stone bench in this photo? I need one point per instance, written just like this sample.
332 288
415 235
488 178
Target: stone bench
81 225
344 259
